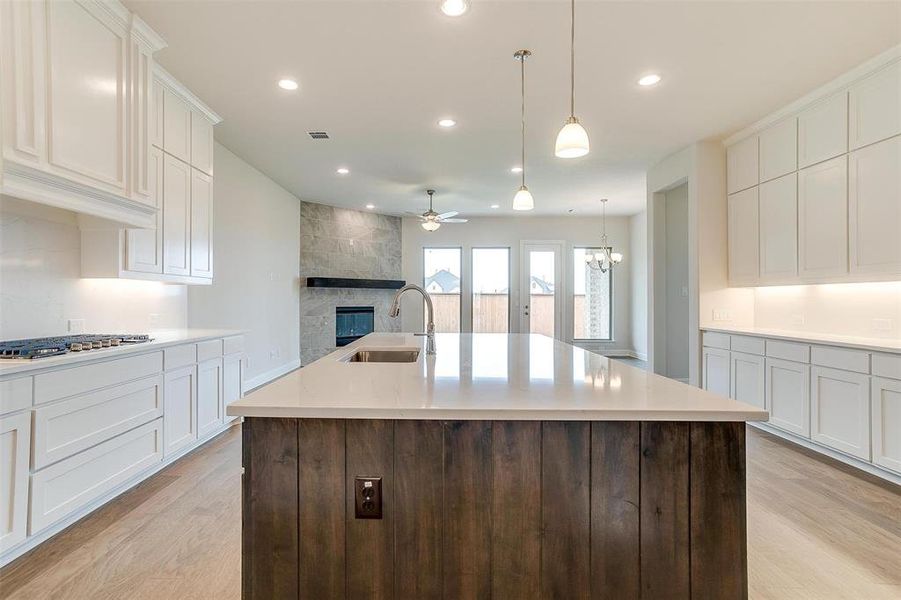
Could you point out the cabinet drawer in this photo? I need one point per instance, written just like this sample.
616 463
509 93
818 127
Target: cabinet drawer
63 383
235 344
69 485
15 394
714 339
180 356
887 365
209 350
68 427
748 344
788 351
841 358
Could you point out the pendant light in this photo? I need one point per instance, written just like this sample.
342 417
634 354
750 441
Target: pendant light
605 259
572 141
523 198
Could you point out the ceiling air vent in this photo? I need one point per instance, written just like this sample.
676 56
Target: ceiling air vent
318 135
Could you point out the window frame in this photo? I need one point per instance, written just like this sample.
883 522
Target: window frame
472 285
572 303
423 284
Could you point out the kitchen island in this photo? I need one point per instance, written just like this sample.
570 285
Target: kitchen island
505 466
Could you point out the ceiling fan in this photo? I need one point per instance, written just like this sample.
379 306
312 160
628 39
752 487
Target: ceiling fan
432 220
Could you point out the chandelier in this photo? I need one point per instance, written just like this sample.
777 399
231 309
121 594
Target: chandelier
602 259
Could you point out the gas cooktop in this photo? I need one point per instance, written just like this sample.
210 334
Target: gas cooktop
53 346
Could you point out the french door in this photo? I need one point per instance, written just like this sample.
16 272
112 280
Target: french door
541 288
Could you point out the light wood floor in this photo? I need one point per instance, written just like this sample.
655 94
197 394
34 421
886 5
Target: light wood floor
817 530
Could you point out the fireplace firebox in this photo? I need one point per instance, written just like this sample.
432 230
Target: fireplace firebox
352 323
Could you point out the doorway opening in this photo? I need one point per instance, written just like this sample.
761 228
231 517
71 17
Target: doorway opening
671 282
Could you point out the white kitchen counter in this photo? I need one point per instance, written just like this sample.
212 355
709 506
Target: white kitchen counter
847 341
482 377
161 339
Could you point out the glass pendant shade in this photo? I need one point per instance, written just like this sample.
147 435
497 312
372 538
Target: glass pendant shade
572 141
431 225
523 199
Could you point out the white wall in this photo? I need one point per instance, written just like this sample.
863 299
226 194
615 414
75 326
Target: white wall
510 231
676 282
41 286
256 240
638 260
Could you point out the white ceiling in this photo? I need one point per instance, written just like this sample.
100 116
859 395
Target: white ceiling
377 75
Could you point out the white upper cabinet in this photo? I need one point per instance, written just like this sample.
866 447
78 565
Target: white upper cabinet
144 247
176 126
201 224
741 165
823 130
779 229
779 149
823 219
201 142
176 216
874 208
743 237
875 107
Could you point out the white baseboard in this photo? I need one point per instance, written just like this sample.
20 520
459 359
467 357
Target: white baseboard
264 378
844 458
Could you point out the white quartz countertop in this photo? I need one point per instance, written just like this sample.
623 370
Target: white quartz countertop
161 339
485 377
849 341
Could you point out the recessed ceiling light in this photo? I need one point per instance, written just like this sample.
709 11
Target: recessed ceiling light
342 171
454 8
370 206
652 79
516 170
287 84
495 206
447 122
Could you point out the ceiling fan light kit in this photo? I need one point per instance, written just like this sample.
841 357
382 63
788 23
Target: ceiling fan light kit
572 141
431 220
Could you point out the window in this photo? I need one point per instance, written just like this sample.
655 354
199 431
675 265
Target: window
441 279
490 290
592 299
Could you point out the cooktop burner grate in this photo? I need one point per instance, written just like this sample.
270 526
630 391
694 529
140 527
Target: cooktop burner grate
53 346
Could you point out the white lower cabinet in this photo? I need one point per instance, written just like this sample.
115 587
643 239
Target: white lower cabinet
886 400
232 382
746 378
180 416
209 396
75 482
788 395
840 410
716 371
15 444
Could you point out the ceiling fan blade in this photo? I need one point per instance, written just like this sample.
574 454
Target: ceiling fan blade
448 215
454 220
413 214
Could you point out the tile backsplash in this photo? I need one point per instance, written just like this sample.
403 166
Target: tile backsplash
41 287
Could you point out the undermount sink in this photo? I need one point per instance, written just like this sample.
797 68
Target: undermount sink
384 356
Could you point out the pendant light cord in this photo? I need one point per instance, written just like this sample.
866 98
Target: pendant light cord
522 74
572 60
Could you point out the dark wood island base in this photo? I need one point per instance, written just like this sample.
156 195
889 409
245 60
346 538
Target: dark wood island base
495 509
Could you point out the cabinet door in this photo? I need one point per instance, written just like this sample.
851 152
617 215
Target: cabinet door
779 229
201 224
15 445
176 216
201 143
779 149
874 208
86 94
180 415
840 410
823 130
209 396
823 219
875 107
746 377
140 97
887 423
741 165
788 395
716 371
233 382
176 126
156 113
743 237
144 247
